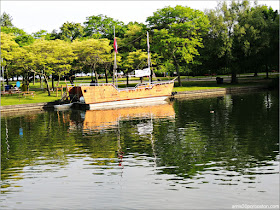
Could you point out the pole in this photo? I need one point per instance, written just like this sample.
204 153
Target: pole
148 50
114 68
3 75
115 80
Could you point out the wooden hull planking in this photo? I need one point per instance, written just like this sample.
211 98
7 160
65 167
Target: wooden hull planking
109 93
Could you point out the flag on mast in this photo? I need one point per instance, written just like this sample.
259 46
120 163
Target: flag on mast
115 45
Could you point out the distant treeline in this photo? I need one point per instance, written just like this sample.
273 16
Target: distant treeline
230 39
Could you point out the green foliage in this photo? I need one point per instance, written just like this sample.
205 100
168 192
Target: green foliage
92 53
177 33
241 39
103 26
6 20
135 60
232 38
24 40
71 31
13 30
39 34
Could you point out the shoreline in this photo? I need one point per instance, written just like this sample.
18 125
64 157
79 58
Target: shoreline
206 93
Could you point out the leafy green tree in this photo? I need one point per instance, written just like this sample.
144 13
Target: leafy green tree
71 31
240 38
135 60
23 63
8 49
24 40
135 38
267 24
91 53
101 26
21 37
64 56
6 20
41 60
178 33
50 58
219 42
39 34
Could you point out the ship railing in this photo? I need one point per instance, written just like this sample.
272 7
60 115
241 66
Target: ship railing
154 83
138 86
91 84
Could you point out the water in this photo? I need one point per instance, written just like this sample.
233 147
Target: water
191 154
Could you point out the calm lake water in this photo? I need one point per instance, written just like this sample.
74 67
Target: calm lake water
191 154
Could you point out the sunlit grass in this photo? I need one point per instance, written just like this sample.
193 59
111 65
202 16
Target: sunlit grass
39 97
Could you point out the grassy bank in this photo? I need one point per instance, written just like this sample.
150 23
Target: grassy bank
188 84
39 97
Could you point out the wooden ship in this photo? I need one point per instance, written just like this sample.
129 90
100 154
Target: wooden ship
96 96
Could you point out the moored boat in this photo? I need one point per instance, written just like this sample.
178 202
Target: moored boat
108 95
99 94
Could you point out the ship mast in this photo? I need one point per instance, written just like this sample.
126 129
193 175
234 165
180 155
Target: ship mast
148 50
115 80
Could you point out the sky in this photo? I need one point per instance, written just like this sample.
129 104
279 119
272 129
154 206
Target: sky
32 16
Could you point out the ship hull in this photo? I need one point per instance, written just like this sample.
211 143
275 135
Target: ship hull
107 95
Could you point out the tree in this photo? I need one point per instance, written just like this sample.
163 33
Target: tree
23 63
221 48
50 58
8 49
71 31
64 56
6 20
41 60
101 26
240 38
39 34
24 40
21 37
135 38
177 33
91 53
135 60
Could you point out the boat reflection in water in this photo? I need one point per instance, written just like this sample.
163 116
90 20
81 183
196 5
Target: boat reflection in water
96 120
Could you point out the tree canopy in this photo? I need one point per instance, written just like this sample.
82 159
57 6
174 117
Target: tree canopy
232 38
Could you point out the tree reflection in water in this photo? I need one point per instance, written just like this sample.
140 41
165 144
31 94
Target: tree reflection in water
226 137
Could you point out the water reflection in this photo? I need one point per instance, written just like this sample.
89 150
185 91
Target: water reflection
94 120
225 147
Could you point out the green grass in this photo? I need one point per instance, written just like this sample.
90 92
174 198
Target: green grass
39 97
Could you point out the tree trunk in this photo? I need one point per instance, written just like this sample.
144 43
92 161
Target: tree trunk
41 81
233 77
34 78
266 68
127 80
7 77
48 87
141 79
96 76
71 80
52 83
178 71
58 80
106 76
27 81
